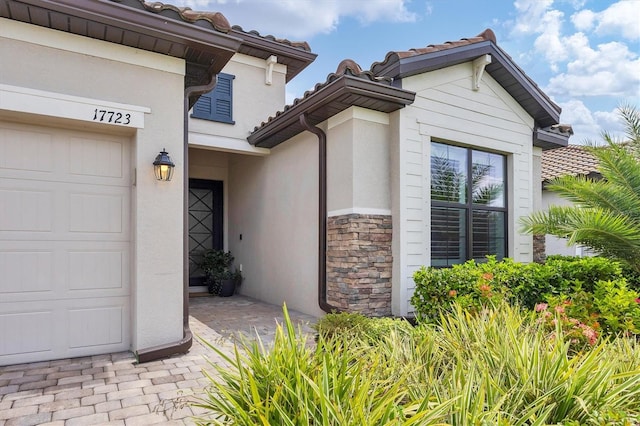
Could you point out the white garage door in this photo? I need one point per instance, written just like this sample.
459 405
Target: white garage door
64 243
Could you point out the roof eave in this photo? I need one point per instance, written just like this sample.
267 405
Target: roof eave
325 103
549 140
295 58
152 24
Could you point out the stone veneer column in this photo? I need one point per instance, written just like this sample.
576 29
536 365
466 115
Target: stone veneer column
539 248
359 263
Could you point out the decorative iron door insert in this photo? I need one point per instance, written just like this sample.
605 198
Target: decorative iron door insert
205 224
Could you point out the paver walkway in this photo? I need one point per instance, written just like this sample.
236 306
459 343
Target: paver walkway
113 390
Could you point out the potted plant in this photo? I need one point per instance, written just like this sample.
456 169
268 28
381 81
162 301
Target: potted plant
219 278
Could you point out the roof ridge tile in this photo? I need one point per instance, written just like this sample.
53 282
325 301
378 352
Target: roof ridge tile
217 20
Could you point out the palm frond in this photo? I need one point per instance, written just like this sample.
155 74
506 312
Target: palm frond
605 214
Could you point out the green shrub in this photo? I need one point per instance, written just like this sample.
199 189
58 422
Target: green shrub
560 279
354 326
569 270
340 323
618 306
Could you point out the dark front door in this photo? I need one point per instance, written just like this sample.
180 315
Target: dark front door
205 223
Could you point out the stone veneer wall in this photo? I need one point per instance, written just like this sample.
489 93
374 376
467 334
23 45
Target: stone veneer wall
359 263
539 248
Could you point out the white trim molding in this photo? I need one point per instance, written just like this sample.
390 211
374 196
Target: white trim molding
26 100
226 144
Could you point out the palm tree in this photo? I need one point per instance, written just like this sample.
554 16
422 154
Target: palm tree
605 215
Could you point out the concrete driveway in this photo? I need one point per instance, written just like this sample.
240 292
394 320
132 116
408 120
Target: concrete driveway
113 390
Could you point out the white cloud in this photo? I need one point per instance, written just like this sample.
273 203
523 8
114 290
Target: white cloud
584 20
619 19
579 70
587 125
609 70
549 42
302 18
530 16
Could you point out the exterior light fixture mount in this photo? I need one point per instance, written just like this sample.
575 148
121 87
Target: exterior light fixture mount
163 166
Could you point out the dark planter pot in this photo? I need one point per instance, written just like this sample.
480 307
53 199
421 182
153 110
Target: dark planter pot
227 288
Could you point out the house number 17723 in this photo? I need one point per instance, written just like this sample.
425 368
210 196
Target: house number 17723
107 116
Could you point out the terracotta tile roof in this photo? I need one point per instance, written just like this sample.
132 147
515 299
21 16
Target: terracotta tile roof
346 67
303 45
348 86
487 34
217 21
572 160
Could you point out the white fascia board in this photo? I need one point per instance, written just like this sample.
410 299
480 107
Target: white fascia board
226 144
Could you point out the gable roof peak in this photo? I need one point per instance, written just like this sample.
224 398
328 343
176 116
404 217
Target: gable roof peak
348 64
488 34
396 55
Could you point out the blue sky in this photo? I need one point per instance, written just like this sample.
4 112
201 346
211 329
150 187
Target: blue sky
585 54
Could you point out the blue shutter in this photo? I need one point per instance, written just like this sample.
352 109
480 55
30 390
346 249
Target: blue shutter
217 105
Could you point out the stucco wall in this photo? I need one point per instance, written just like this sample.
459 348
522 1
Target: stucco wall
358 175
448 110
273 205
66 64
253 102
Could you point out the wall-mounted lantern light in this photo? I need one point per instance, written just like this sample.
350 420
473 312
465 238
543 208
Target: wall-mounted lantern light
163 166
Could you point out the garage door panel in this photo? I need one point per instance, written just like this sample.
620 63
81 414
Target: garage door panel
22 149
26 271
67 329
96 213
65 248
96 327
27 332
96 157
59 155
32 209
63 270
26 210
98 270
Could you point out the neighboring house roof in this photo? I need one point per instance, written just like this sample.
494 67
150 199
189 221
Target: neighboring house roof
572 160
205 40
348 86
400 64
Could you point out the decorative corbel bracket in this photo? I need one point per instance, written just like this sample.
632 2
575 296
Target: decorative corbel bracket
271 61
478 69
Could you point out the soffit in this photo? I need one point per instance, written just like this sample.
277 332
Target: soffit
135 24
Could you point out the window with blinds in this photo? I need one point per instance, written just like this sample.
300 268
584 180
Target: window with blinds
468 205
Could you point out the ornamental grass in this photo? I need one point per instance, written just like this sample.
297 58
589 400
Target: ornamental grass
499 366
